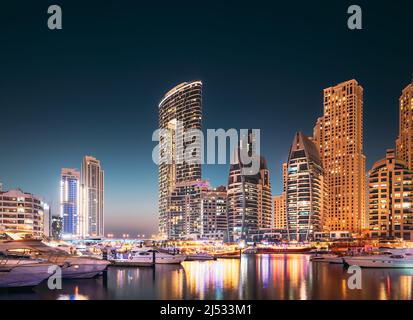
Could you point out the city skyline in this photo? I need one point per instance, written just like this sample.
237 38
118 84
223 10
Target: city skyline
153 229
128 78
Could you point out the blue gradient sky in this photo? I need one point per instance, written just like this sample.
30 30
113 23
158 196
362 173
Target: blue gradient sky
93 87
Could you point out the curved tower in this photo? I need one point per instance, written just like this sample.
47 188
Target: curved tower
180 110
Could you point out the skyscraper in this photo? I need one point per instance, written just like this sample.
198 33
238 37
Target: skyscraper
285 172
390 198
249 197
280 219
279 202
404 142
92 194
214 223
265 212
183 214
180 110
70 202
306 191
338 135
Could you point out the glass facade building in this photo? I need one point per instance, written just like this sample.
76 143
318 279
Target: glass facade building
306 191
70 202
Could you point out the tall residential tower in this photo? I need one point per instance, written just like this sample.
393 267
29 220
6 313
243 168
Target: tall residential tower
338 135
390 198
92 224
70 202
249 197
306 193
404 142
180 110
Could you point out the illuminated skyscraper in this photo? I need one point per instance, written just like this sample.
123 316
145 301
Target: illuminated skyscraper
92 195
279 203
338 135
184 210
214 225
196 211
179 111
404 142
306 190
390 198
285 171
249 198
280 219
70 202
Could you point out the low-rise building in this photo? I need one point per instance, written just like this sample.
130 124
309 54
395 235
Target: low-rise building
21 212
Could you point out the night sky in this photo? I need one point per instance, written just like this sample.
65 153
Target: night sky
94 87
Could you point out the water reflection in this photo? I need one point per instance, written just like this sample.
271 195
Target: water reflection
280 277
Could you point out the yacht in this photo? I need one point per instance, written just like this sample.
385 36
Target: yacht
10 261
73 267
144 257
327 258
199 256
380 261
24 275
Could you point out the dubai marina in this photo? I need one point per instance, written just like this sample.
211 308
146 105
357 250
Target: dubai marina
273 277
223 155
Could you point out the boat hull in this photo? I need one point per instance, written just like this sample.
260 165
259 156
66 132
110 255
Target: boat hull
83 271
378 263
143 261
130 264
24 276
199 258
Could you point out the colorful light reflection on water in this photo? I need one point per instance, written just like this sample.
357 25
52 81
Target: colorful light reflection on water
279 277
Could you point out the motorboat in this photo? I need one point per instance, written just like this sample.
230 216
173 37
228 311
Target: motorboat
397 251
24 275
73 267
327 258
199 256
380 261
145 257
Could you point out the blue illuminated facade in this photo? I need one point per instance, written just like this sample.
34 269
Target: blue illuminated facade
70 183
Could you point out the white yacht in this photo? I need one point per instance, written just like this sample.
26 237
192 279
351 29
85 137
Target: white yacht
381 261
144 257
73 267
24 275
